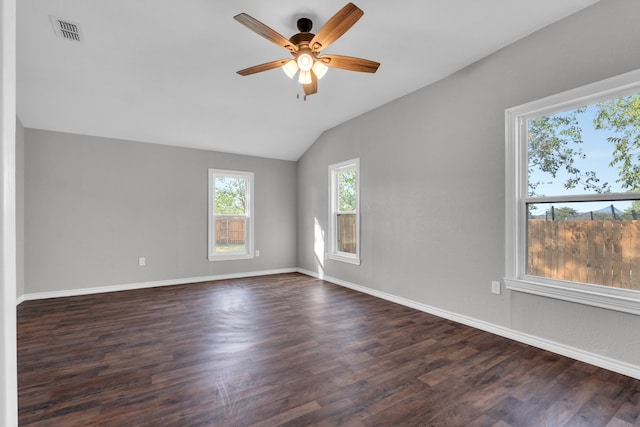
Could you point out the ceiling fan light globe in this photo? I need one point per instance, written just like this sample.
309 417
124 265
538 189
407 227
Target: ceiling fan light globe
304 77
319 69
290 68
305 62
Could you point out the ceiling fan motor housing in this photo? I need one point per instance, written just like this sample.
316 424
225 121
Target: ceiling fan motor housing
302 39
304 25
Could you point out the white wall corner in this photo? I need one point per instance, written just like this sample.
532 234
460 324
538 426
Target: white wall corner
8 260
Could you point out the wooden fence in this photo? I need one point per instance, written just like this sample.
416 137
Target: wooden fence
230 230
347 233
598 252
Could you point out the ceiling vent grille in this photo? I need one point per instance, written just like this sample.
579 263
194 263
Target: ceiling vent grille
66 29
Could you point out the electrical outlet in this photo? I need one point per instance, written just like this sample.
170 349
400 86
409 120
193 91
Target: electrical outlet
142 261
495 287
257 252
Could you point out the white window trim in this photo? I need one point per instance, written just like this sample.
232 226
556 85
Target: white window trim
213 256
333 253
516 279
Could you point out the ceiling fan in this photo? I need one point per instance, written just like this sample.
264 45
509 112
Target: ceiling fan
306 48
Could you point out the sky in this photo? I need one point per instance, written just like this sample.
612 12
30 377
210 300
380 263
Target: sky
598 156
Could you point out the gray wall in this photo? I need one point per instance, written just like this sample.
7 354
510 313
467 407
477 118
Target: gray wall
94 205
432 171
19 208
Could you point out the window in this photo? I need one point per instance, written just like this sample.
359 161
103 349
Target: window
573 195
230 215
344 211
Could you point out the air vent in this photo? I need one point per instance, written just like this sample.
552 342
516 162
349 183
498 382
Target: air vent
66 29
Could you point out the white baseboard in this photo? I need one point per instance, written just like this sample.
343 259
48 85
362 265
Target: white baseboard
130 286
555 347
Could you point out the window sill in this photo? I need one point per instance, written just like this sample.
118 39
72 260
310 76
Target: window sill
624 300
229 257
342 258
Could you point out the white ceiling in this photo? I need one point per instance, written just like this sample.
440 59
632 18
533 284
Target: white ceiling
164 71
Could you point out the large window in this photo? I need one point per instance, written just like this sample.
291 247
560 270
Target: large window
573 195
230 215
344 211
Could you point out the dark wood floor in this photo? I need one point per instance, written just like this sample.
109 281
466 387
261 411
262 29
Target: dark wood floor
291 350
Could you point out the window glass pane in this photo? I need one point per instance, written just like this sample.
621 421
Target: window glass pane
347 233
230 195
588 242
347 197
230 234
344 215
587 150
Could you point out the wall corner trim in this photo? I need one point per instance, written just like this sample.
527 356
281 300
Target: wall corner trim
614 365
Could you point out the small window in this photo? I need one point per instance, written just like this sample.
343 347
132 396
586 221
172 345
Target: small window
344 211
230 215
573 195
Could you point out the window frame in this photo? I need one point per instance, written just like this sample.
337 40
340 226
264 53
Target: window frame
516 197
334 253
249 228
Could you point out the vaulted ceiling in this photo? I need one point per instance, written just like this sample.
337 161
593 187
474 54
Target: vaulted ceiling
164 71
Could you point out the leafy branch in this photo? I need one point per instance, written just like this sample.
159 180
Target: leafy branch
554 144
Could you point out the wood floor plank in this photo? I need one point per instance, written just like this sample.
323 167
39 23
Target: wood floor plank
291 350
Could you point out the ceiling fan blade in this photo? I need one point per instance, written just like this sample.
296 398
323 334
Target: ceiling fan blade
261 29
263 67
350 63
336 27
311 88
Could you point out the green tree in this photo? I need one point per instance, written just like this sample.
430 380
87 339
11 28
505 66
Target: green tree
347 200
553 144
629 212
622 117
564 213
554 141
230 195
